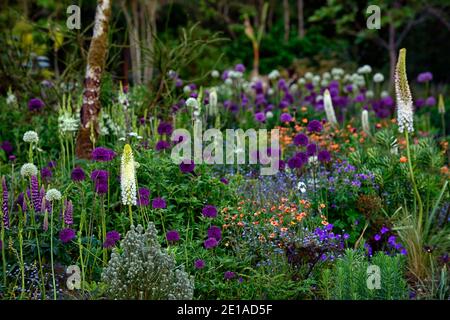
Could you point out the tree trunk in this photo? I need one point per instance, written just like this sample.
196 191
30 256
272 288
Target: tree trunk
301 21
90 109
286 20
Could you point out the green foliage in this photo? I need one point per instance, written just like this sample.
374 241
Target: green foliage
348 279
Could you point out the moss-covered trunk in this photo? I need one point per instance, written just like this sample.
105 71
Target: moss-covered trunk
90 109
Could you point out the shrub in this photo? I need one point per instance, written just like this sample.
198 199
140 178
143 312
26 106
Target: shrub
142 270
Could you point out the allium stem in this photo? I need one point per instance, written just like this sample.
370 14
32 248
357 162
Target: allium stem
413 181
51 254
33 221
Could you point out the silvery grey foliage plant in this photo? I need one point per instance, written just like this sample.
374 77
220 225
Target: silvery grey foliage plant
141 269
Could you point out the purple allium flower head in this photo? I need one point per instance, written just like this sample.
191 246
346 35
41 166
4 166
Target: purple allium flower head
403 251
420 103
165 128
162 145
301 139
100 178
35 104
7 147
187 166
199 264
315 126
111 238
228 275
282 85
144 197
20 202
209 211
430 102
103 154
239 67
285 117
5 201
159 203
311 149
224 180
295 163
52 164
260 117
68 212
215 232
77 174
346 236
324 156
424 77
377 237
46 173
172 236
210 243
66 235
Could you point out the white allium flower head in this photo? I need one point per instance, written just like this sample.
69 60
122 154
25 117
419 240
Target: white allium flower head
324 83
274 74
186 89
309 76
215 74
326 76
405 114
128 177
270 91
53 195
30 137
192 103
384 94
365 69
269 114
369 94
28 170
301 81
337 71
11 99
229 81
378 77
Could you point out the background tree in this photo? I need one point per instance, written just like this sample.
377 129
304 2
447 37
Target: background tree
90 108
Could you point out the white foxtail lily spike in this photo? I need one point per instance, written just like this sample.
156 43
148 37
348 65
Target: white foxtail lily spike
441 105
405 115
365 121
329 110
128 177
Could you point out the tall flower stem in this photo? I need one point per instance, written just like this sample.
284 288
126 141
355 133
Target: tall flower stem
51 253
2 235
33 222
105 254
413 181
22 266
131 214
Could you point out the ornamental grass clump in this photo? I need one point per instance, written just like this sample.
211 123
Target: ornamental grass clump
141 269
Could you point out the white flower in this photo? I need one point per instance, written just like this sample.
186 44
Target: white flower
384 94
215 74
228 81
28 170
337 72
324 83
309 76
11 99
269 114
186 89
270 91
30 137
337 77
274 74
365 69
326 76
405 115
213 98
313 160
294 88
369 94
192 103
196 113
235 74
329 110
53 195
378 77
122 139
128 177
365 121
319 98
301 81
172 74
301 186
133 134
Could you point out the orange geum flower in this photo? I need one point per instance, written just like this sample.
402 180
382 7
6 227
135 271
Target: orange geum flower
240 224
325 223
403 159
322 205
283 229
272 235
444 170
304 120
274 223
